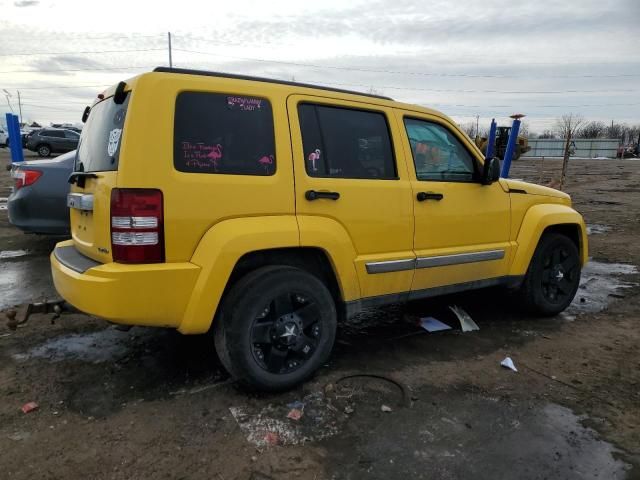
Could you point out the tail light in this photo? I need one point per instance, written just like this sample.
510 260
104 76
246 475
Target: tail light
23 177
137 233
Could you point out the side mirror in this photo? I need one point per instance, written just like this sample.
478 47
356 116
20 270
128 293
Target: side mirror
491 171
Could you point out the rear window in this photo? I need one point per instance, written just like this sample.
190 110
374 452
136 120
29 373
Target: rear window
223 134
99 147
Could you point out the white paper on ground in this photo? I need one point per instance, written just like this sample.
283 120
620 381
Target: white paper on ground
508 363
466 322
431 324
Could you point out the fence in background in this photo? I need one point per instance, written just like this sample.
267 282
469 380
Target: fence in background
585 147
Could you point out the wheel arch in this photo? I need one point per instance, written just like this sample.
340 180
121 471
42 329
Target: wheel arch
546 218
234 247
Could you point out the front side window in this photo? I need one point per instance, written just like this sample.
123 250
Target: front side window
224 134
346 143
437 154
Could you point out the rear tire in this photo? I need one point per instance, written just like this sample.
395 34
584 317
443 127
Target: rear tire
553 276
44 150
275 328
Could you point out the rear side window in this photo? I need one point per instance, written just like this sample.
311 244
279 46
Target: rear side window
99 147
53 133
346 143
224 134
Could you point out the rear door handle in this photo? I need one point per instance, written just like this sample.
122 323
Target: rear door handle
422 196
315 195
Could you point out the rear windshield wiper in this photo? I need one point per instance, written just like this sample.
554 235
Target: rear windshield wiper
79 178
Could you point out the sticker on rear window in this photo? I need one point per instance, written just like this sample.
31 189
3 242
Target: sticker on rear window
114 140
246 104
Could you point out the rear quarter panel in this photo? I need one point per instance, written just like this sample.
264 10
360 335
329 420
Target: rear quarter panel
195 202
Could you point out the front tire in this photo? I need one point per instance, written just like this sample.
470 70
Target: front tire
553 277
275 328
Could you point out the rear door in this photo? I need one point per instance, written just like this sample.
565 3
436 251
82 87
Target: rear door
97 163
349 170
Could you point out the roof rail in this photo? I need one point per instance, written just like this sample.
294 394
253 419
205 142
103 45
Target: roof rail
206 73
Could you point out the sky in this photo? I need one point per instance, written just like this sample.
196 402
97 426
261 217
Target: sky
465 58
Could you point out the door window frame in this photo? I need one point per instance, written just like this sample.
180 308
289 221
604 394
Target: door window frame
477 166
336 104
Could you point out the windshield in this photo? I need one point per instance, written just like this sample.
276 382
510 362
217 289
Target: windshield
99 146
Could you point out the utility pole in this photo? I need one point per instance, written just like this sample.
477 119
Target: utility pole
19 107
477 125
170 59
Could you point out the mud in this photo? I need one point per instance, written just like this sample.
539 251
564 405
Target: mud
150 403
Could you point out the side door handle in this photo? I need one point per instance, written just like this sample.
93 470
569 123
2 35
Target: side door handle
422 196
315 195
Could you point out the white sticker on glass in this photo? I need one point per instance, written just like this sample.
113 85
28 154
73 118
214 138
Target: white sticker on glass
114 140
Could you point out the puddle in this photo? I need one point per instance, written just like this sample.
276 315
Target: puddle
460 432
597 229
4 254
600 282
25 281
270 425
97 347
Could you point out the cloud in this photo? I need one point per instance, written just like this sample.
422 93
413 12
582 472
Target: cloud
26 3
64 64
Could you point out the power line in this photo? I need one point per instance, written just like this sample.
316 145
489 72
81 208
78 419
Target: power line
569 60
79 53
53 87
61 109
532 106
77 36
79 69
484 91
372 70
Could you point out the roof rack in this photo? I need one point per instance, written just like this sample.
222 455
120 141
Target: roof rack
188 71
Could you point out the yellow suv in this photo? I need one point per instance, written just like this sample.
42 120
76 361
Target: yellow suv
268 210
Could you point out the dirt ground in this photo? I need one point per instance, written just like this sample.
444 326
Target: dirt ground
393 402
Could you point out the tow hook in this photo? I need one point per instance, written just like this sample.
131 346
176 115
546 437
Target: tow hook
22 314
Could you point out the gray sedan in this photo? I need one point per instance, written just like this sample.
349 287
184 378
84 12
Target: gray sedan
38 203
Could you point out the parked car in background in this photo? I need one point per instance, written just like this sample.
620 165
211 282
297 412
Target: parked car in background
38 203
53 140
29 134
4 137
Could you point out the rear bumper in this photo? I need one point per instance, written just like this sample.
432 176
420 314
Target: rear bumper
151 294
28 214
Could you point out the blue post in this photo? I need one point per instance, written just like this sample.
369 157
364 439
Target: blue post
511 147
15 139
491 143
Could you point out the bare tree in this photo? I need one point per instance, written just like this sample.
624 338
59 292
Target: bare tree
593 129
568 126
524 130
469 128
614 130
547 134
